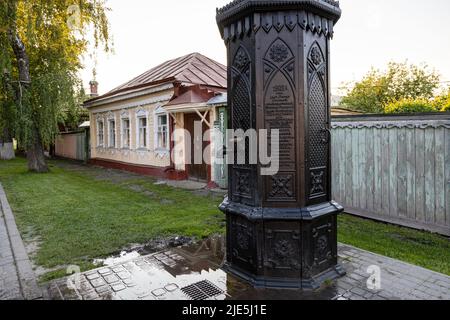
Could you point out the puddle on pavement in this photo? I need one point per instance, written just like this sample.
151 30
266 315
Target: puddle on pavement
190 272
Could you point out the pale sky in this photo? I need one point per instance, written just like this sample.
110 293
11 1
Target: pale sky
370 33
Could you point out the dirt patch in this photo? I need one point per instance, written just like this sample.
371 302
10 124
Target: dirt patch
98 173
159 244
149 194
136 188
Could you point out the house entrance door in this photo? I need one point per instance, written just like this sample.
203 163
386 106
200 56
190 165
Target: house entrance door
198 172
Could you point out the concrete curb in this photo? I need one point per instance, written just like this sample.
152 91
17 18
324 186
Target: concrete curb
27 278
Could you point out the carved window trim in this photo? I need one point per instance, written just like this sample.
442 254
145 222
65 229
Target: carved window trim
159 128
112 133
142 115
100 133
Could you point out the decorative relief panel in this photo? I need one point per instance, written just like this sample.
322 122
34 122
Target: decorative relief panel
242 186
283 248
281 187
318 183
243 240
322 242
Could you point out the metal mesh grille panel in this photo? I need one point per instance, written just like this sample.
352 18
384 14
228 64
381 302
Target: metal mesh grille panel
202 290
317 122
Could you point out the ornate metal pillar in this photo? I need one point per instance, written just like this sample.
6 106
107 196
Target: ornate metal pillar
282 229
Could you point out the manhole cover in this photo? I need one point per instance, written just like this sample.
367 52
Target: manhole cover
202 290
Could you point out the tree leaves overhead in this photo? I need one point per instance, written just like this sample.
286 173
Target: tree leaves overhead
56 34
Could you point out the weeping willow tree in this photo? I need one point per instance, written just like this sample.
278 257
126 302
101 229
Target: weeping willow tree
42 43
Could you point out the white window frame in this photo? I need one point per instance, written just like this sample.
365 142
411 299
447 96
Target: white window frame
111 119
102 122
161 112
142 114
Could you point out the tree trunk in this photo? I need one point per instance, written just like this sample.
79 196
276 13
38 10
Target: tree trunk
34 147
35 154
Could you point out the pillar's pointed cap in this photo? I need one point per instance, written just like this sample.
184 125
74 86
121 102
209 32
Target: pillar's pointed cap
239 8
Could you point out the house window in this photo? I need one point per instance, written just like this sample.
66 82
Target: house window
100 133
162 132
112 133
125 133
142 134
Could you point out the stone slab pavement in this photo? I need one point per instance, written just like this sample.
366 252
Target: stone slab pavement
17 278
194 273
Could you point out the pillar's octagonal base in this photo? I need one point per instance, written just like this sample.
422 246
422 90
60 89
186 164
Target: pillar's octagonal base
283 248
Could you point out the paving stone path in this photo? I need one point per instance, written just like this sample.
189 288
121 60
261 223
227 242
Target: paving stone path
193 272
17 278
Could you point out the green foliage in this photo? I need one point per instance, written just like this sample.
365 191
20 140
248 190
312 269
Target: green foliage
446 108
55 38
400 81
410 106
442 102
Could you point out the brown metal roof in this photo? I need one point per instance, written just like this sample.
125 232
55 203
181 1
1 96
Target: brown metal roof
193 68
193 95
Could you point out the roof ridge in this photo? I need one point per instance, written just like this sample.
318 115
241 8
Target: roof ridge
213 74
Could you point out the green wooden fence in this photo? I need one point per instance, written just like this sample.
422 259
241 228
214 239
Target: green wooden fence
394 169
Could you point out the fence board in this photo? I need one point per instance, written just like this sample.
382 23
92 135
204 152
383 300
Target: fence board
440 176
354 172
430 203
369 169
393 178
385 173
420 175
348 167
411 173
402 187
447 177
341 163
377 171
362 159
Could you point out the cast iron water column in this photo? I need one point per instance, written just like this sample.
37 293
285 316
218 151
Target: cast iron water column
282 229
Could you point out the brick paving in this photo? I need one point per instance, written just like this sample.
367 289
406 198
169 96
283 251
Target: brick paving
399 280
9 280
170 275
17 278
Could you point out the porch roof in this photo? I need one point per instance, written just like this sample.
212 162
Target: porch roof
195 98
187 108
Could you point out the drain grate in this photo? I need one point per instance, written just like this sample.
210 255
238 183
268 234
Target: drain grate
202 290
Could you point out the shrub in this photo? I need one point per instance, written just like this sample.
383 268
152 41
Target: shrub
410 106
446 108
442 102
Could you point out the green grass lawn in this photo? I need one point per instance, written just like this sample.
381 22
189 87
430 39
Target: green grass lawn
78 217
420 248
